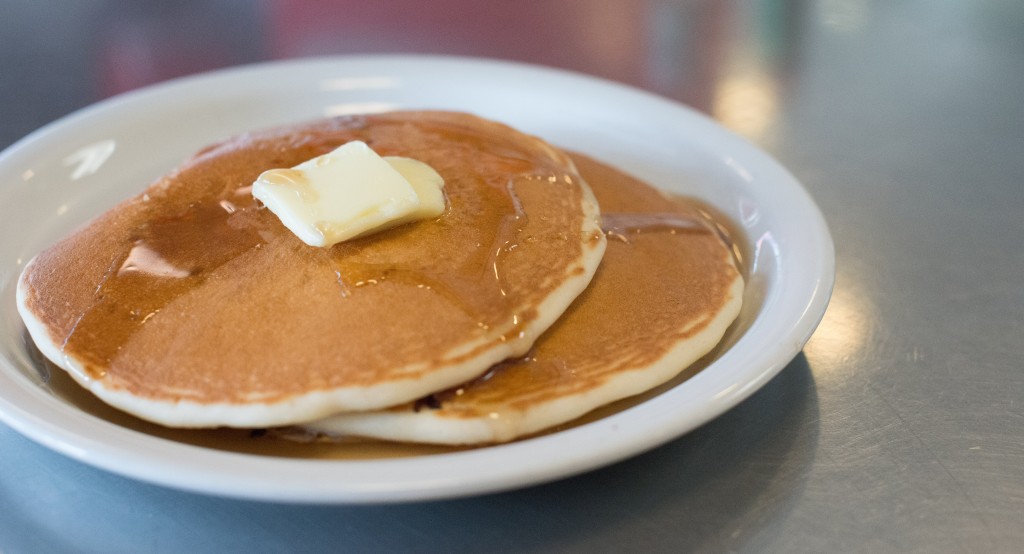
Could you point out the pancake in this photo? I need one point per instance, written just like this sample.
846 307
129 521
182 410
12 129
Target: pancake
190 305
666 291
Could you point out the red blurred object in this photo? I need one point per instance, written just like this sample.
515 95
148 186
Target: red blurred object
672 48
606 38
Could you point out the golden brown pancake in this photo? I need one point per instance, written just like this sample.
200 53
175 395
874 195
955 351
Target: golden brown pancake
191 305
665 293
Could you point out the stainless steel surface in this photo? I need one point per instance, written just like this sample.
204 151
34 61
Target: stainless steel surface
901 426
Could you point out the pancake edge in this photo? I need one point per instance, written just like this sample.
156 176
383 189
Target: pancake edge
427 426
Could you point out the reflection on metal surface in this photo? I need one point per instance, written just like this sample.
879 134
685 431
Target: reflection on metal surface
89 159
747 104
686 45
754 66
358 83
27 174
846 327
350 108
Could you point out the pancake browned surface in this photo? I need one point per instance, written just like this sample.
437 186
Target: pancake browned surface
190 305
665 293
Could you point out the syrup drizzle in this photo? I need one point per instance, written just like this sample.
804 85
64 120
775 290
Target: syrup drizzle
169 256
620 226
162 260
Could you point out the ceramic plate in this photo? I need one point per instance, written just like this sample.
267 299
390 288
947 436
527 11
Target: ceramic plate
68 172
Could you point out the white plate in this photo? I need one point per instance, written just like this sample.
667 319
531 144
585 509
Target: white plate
70 171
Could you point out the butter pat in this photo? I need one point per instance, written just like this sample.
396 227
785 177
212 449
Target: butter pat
350 192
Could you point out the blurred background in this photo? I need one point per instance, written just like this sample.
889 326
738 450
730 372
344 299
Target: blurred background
743 62
747 63
729 58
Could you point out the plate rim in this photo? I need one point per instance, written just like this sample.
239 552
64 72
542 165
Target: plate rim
94 451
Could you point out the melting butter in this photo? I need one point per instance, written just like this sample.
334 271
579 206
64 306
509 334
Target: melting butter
350 192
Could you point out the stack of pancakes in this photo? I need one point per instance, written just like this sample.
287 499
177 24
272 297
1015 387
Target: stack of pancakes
523 306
